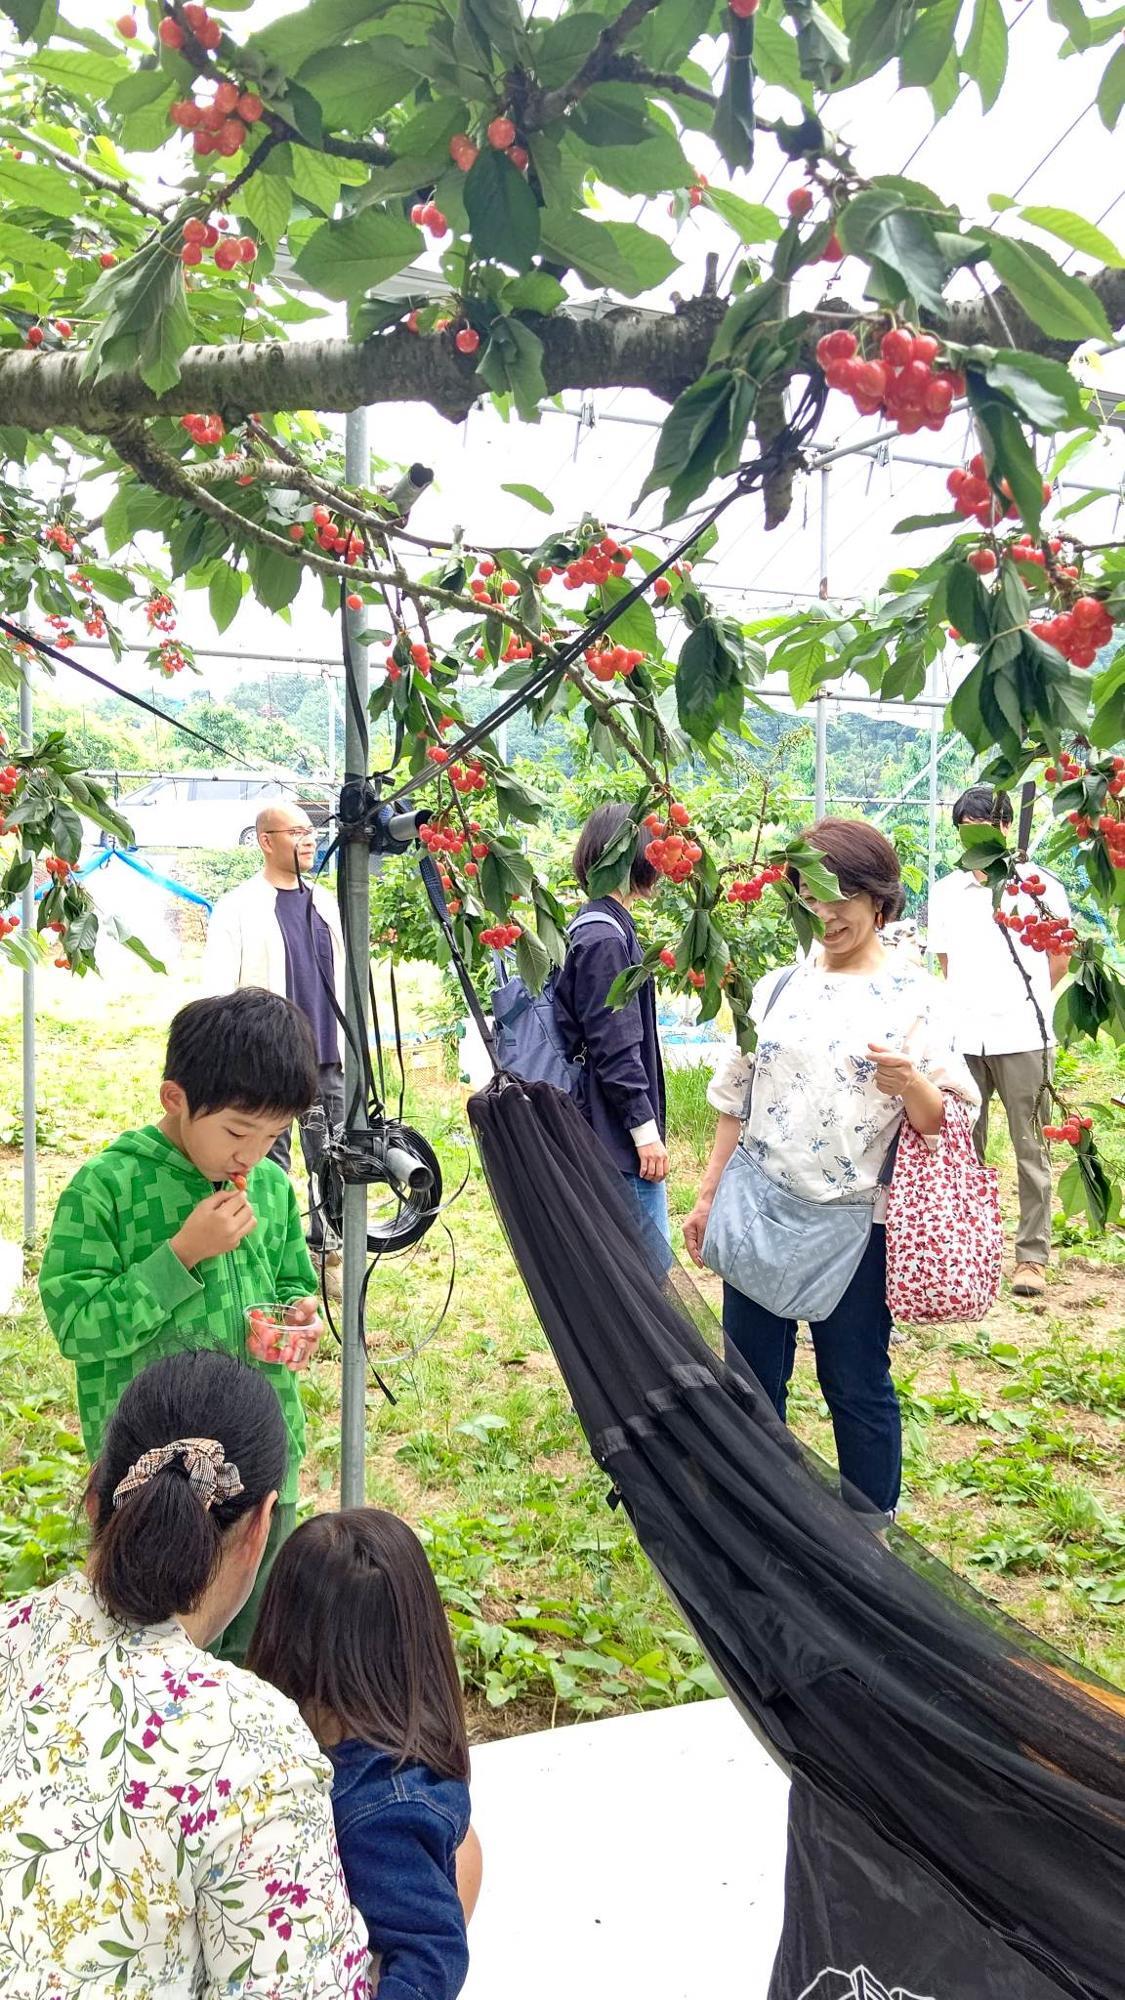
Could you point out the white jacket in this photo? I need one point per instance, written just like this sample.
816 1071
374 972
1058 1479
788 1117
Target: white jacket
245 946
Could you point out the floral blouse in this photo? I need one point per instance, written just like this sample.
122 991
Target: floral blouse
819 1125
165 1820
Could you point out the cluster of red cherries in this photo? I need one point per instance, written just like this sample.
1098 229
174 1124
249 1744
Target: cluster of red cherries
58 867
160 612
64 637
489 583
500 937
1078 634
668 851
974 499
751 891
606 662
36 335
9 779
228 251
904 383
1072 1131
596 563
203 427
668 960
501 136
8 925
1037 929
221 125
171 659
60 538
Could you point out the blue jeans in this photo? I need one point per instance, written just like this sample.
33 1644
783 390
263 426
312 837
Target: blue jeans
852 1366
650 1199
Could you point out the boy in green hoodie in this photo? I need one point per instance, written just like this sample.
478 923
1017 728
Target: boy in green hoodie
166 1239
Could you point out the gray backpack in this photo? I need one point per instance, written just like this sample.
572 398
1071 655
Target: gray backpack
525 1031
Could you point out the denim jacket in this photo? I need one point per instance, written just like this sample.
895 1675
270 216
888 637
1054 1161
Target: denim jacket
398 1832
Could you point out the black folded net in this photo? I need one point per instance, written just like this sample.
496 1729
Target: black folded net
957 1799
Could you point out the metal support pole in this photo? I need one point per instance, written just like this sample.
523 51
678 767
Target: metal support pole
28 926
820 780
332 705
355 863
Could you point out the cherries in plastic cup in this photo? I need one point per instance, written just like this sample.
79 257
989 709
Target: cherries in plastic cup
275 1334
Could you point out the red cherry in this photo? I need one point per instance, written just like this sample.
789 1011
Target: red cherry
897 347
501 134
354 601
231 135
466 340
982 560
662 587
925 348
126 27
296 531
192 253
171 34
107 260
227 255
742 9
195 230
226 97
35 336
798 201
833 250
63 328
247 249
249 107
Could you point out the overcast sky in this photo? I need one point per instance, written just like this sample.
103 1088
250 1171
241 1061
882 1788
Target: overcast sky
1046 108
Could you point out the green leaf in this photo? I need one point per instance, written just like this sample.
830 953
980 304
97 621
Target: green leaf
532 495
617 255
140 87
967 603
1111 90
224 594
266 201
511 362
320 24
538 292
502 210
562 47
611 869
752 220
985 56
1071 15
733 130
315 179
927 46
776 58
81 74
26 185
533 961
821 48
709 689
22 249
146 325
653 164
1063 306
34 19
1075 230
612 114
635 627
355 85
1045 391
905 241
276 577
345 259
119 931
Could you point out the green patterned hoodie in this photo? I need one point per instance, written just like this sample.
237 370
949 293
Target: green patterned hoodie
116 1295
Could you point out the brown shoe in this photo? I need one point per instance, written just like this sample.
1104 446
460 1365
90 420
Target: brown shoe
1030 1281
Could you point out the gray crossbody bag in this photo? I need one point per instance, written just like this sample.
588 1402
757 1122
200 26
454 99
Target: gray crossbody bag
794 1257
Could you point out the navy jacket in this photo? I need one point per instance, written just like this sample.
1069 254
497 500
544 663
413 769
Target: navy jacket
621 1084
398 1831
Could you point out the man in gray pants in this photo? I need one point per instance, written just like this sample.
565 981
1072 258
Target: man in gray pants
1004 1019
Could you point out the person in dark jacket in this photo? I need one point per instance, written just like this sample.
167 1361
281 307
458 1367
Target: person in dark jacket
621 1086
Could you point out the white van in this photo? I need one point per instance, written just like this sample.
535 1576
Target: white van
213 810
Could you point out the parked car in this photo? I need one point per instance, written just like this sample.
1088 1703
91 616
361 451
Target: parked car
215 810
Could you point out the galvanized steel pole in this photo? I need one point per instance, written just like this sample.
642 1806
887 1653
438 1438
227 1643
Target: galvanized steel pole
355 863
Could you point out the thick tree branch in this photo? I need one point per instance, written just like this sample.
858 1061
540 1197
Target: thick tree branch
622 349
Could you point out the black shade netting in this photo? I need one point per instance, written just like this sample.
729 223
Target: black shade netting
991 1767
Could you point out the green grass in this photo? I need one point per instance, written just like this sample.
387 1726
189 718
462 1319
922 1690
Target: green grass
1013 1430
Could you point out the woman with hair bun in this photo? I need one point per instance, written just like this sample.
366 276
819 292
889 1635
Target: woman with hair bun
855 1041
165 1817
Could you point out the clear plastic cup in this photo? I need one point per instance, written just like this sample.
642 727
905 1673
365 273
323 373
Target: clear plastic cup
274 1334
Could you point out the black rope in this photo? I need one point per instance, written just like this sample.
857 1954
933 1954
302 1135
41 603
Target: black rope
17 633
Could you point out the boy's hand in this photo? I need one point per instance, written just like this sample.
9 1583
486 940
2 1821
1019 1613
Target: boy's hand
215 1226
303 1316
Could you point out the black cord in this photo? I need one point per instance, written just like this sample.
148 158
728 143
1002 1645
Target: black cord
16 632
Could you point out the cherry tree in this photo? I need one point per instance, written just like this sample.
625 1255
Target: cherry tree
447 176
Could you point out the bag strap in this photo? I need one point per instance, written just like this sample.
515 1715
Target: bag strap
778 989
586 918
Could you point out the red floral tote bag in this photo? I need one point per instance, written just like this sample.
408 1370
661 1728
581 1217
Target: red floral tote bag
944 1235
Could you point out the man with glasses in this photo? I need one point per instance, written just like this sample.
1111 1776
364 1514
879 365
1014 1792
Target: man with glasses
274 931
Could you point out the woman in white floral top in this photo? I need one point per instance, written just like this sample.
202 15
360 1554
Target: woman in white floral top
165 1818
850 1042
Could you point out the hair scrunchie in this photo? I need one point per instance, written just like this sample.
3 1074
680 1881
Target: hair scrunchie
210 1475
